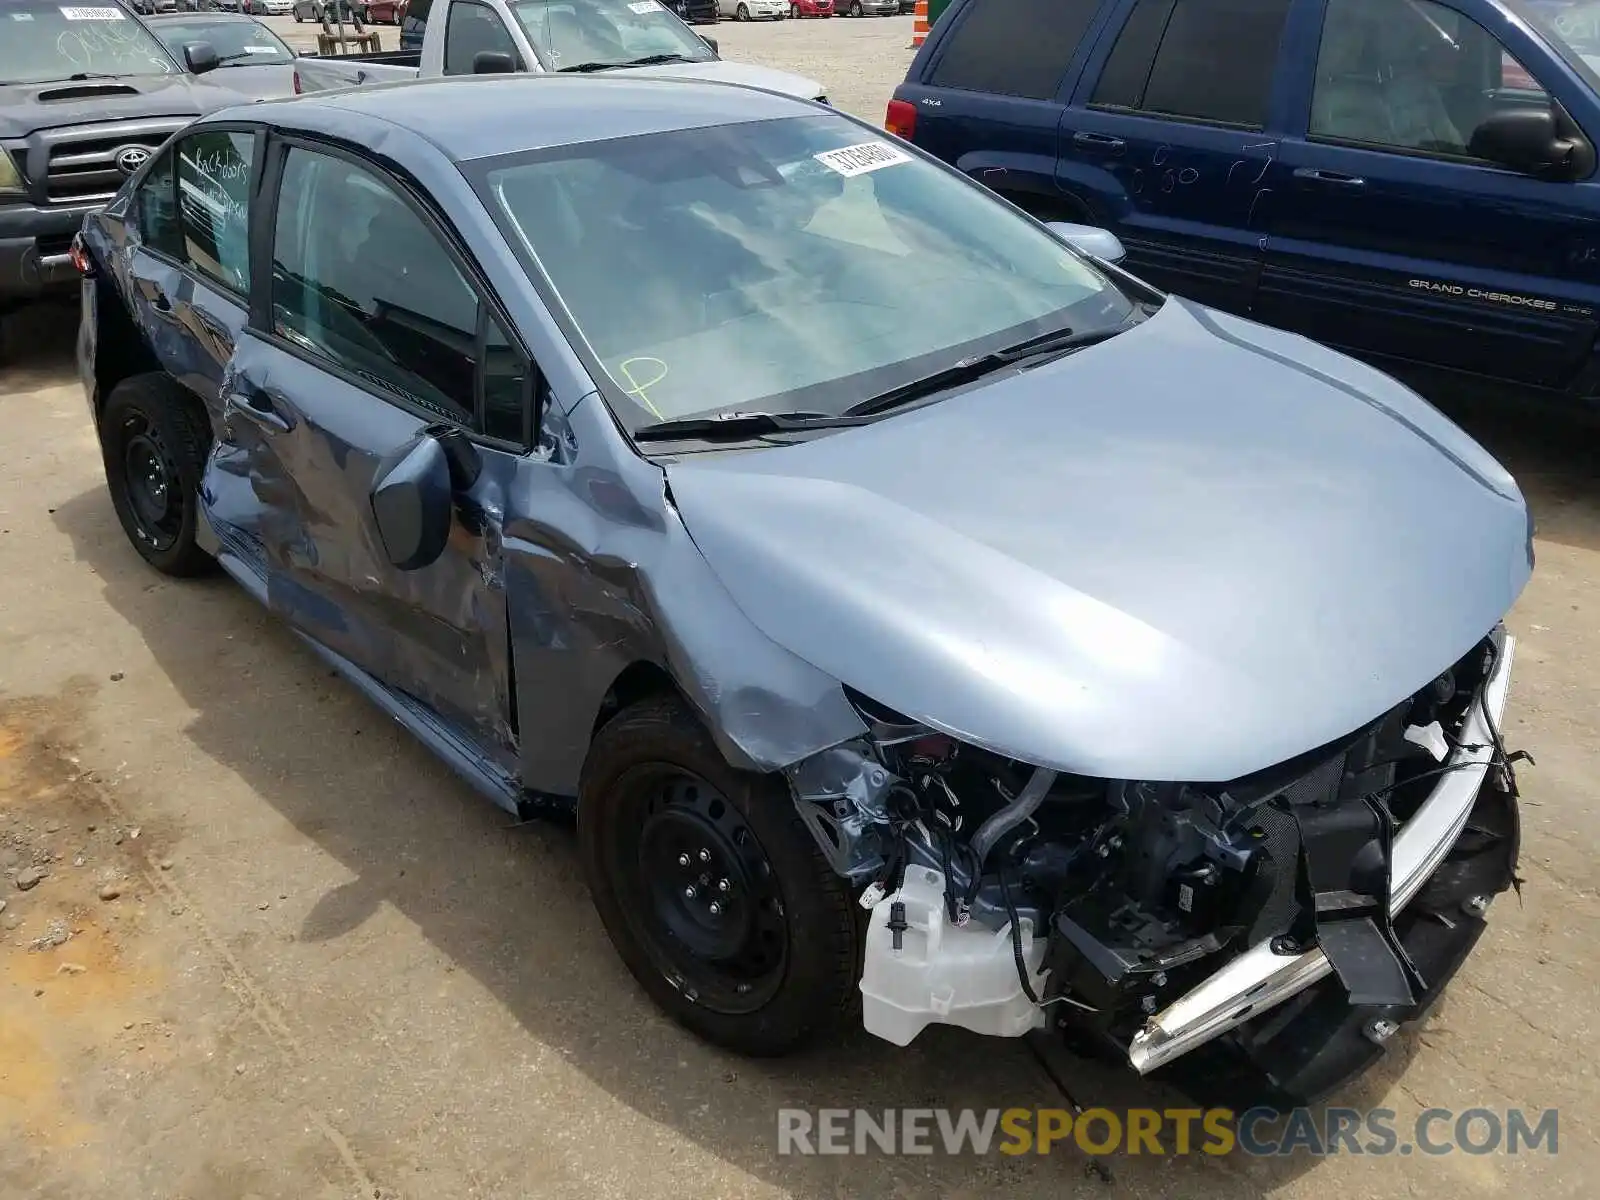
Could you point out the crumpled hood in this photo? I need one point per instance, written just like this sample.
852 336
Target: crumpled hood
723 71
1190 552
29 107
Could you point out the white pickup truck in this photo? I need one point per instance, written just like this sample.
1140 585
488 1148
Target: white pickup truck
478 37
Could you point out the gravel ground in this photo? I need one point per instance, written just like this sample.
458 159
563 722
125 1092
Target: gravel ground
255 943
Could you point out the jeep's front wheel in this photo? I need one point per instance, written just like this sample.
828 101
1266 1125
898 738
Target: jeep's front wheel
154 440
712 890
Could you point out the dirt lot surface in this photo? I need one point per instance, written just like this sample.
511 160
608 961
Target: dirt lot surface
278 951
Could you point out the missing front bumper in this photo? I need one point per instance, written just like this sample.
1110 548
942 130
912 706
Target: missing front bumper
1261 979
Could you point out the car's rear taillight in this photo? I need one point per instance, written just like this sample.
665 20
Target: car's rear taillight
82 260
901 119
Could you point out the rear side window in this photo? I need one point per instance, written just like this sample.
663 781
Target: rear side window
415 20
214 172
1207 60
194 205
472 29
1013 47
157 206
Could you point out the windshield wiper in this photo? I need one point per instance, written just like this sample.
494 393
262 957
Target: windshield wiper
649 60
1043 347
739 425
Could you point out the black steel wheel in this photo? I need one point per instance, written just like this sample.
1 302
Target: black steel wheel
702 886
153 441
710 887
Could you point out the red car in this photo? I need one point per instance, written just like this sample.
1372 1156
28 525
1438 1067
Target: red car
810 8
385 12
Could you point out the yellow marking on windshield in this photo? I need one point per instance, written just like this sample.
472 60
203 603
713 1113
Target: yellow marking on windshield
637 388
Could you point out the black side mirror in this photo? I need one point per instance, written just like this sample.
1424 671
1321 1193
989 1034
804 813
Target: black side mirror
200 57
493 62
413 502
1531 140
711 42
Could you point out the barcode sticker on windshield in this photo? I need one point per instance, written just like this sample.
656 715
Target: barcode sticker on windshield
260 49
858 160
644 6
92 14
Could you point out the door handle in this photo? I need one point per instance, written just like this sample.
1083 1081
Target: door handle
1099 141
257 402
1329 178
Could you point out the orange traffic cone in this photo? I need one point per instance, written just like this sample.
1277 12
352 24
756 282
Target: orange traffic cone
919 24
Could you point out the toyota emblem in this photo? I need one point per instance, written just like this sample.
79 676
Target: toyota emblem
130 158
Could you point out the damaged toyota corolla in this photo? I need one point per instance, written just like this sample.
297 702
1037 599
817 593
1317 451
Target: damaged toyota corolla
923 617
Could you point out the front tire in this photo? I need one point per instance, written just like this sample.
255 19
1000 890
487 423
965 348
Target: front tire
709 886
154 438
742 13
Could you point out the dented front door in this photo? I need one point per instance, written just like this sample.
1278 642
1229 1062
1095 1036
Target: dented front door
368 333
314 444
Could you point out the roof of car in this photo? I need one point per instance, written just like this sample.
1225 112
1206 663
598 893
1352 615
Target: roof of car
467 116
209 15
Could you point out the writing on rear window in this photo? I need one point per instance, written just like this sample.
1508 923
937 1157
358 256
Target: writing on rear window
92 14
858 160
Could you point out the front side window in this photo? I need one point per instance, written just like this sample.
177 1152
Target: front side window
1412 75
45 41
1204 60
798 262
586 35
1013 47
214 177
361 280
473 29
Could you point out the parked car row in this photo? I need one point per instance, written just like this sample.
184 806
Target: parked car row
474 37
1414 181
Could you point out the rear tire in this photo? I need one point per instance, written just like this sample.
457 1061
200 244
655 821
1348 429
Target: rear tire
154 438
665 828
742 13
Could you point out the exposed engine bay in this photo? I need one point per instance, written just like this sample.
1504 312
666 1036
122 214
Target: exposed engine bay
1001 892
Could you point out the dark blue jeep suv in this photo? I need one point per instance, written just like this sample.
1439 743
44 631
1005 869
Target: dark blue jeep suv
1410 180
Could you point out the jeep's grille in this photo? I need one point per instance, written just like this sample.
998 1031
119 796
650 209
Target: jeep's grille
84 168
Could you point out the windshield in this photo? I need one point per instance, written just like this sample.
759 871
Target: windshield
237 43
587 33
42 43
791 264
1572 25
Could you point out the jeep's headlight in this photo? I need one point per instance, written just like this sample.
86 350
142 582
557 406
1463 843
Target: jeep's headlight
10 177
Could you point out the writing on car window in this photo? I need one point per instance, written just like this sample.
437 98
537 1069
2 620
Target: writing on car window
214 172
